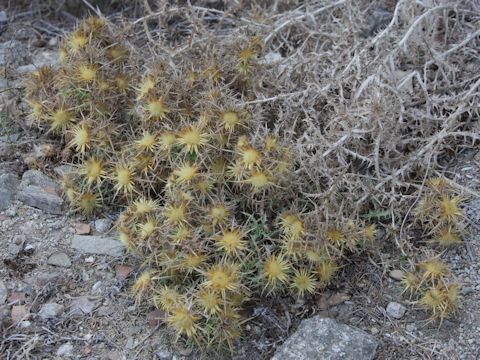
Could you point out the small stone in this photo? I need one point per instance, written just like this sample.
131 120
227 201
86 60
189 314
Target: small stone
467 290
17 298
396 274
29 249
396 310
104 311
42 199
122 271
163 353
103 225
97 287
53 41
25 324
411 328
25 69
97 245
19 313
323 338
65 350
374 330
50 310
82 229
3 18
64 170
3 292
155 317
89 260
8 188
113 355
47 57
59 259
82 305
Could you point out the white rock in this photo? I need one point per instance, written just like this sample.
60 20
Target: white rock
396 310
396 274
50 310
98 245
103 225
59 259
324 338
3 292
65 350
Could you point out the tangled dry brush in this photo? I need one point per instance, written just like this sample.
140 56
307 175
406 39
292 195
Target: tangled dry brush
253 149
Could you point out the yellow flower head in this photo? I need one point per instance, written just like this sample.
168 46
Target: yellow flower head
147 142
275 269
87 72
60 119
192 138
93 170
222 277
185 173
183 320
124 179
81 137
209 300
144 206
259 180
303 281
156 109
230 120
231 241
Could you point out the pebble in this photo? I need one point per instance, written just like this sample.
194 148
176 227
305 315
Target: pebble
82 305
98 245
65 350
103 225
396 274
59 259
163 353
50 310
396 310
82 229
3 292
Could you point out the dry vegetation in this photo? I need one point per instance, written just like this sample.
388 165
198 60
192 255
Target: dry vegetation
256 147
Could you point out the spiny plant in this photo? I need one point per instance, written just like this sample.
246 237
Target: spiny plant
226 197
198 172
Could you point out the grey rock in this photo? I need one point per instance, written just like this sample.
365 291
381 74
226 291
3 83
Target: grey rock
64 170
3 292
396 274
11 138
65 350
97 245
104 311
25 69
396 310
320 338
163 353
82 305
50 310
37 178
59 259
46 58
8 188
103 225
3 18
3 21
17 244
37 197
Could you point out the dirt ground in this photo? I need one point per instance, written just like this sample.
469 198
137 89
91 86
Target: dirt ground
100 320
